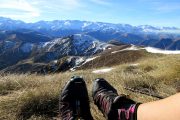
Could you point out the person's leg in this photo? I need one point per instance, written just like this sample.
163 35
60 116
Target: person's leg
165 109
113 106
74 101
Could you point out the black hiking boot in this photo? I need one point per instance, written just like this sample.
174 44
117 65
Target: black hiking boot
112 105
74 101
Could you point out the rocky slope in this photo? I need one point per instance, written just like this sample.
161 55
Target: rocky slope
17 53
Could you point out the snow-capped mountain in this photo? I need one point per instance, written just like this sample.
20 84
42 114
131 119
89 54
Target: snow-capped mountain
9 24
152 29
139 35
85 26
74 45
14 49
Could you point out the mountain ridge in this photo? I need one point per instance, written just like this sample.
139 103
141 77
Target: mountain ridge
138 35
81 24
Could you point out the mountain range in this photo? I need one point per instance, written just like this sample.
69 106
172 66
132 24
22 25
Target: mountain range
25 46
160 37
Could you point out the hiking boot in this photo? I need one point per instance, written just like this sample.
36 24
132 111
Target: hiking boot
74 101
112 105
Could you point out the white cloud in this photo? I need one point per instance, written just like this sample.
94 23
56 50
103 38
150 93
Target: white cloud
32 10
60 5
18 9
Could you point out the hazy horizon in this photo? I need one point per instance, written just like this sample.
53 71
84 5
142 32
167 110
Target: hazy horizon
161 13
90 21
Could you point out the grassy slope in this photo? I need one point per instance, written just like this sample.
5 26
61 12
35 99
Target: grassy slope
36 97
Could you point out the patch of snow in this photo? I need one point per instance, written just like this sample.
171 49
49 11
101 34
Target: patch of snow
9 44
149 49
27 47
102 70
90 59
39 27
79 61
72 69
127 49
156 50
52 43
91 26
100 45
53 28
55 61
81 39
85 24
67 23
85 43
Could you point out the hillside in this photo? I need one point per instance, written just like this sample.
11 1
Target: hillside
35 97
16 52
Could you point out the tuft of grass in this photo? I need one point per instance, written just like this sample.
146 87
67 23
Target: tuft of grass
41 103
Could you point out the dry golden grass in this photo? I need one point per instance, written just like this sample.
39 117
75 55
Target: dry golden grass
35 97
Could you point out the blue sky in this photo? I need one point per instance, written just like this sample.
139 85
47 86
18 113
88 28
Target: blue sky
134 12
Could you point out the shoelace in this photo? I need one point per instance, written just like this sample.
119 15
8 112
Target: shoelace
104 99
64 112
126 113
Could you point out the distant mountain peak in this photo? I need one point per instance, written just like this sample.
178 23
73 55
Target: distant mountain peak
82 26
